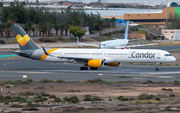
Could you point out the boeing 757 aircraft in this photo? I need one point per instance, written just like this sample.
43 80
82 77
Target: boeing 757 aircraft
116 44
93 58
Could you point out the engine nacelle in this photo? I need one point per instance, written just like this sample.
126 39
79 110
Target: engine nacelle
114 64
95 63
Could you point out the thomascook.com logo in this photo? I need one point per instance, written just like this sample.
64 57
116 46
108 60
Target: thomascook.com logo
22 40
143 55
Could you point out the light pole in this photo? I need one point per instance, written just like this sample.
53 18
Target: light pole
166 12
149 6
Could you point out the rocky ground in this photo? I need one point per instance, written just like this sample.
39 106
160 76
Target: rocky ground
128 97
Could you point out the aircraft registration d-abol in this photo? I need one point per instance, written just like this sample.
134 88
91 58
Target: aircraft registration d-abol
93 58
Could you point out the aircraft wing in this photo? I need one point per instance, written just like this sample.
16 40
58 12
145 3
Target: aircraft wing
19 52
142 45
88 44
79 59
76 58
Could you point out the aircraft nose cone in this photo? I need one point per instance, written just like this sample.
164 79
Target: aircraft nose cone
173 59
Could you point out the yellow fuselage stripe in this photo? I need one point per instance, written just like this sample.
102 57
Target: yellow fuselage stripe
49 51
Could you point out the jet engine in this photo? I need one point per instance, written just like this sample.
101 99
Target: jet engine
114 64
95 63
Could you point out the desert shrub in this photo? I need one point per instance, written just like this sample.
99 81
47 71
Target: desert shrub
39 96
17 106
52 96
120 97
145 96
171 95
163 89
7 97
45 81
87 98
47 40
110 99
13 82
161 82
59 81
72 90
40 99
43 93
95 81
29 102
30 109
23 100
132 98
158 99
124 99
65 99
73 99
57 99
27 93
148 82
29 80
1 97
6 103
8 86
169 89
24 82
39 87
96 98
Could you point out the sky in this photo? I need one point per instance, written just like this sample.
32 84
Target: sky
113 1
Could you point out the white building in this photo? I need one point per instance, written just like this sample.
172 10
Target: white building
171 34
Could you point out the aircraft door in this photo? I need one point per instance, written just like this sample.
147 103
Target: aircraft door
129 55
61 54
158 55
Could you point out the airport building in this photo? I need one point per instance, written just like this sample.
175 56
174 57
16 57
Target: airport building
171 34
153 19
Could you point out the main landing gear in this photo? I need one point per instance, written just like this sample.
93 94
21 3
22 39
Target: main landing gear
86 68
157 69
83 68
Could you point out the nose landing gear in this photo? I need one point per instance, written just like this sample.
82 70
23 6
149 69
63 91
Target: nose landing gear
157 69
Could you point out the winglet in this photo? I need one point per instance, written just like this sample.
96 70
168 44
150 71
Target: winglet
127 30
45 52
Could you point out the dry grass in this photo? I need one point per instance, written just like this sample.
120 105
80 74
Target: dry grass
148 102
165 43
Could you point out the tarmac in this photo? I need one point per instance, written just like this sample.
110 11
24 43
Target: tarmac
18 68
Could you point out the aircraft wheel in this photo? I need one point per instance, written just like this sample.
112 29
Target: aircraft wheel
83 68
157 69
92 68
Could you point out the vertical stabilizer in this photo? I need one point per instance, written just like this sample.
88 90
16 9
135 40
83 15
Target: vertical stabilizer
24 41
127 30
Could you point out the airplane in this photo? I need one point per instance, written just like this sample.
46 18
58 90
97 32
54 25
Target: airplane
93 58
116 44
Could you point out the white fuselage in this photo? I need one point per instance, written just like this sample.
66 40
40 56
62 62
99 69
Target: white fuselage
114 55
114 44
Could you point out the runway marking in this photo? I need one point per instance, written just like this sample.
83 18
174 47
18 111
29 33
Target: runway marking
114 72
9 63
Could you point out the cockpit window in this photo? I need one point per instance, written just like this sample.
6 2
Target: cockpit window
103 44
167 55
